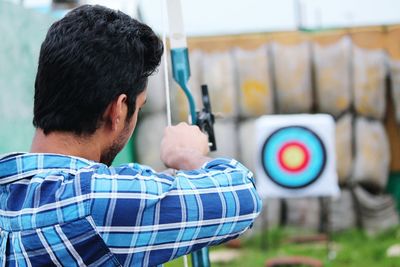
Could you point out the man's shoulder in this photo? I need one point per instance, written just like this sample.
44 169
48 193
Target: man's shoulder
43 189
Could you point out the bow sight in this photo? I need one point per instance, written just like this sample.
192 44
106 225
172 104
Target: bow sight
205 118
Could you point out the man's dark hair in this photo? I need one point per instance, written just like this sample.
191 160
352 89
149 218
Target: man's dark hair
89 58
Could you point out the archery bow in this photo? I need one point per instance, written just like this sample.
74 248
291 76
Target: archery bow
181 74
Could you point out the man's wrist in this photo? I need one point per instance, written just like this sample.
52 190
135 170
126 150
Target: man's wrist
187 160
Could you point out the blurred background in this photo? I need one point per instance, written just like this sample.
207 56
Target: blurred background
259 58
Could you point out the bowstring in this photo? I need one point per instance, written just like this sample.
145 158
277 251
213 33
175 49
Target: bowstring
166 79
165 62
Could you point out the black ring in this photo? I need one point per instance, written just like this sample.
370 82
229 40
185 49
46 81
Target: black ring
314 178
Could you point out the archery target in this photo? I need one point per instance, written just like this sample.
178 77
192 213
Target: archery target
296 156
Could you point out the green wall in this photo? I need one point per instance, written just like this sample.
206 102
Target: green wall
21 34
393 187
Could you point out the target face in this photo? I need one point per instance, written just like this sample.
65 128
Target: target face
293 157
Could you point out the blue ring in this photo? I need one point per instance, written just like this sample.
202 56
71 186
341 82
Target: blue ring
270 161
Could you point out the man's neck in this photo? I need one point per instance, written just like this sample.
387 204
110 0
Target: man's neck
66 144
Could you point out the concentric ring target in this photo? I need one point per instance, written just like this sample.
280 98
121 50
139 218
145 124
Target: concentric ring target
293 157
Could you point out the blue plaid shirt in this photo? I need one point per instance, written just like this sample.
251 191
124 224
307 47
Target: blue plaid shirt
68 211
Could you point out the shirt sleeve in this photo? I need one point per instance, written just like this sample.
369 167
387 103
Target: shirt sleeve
148 218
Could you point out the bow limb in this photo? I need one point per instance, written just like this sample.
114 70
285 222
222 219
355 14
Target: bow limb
179 52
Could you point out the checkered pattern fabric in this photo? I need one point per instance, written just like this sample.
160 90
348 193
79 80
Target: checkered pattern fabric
68 211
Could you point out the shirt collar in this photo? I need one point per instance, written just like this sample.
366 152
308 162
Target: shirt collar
16 166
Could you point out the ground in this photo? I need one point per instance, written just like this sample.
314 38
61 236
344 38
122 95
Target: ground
352 248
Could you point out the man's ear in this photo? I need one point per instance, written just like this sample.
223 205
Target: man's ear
116 112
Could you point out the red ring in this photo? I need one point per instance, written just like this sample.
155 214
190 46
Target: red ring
305 162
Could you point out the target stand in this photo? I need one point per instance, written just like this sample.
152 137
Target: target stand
296 158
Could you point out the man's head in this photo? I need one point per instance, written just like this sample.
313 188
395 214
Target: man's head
92 62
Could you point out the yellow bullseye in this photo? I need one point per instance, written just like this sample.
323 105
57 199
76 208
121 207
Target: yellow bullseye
293 157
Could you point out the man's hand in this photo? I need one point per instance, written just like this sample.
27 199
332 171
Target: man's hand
184 147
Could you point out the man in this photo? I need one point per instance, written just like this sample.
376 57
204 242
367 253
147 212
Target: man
62 204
